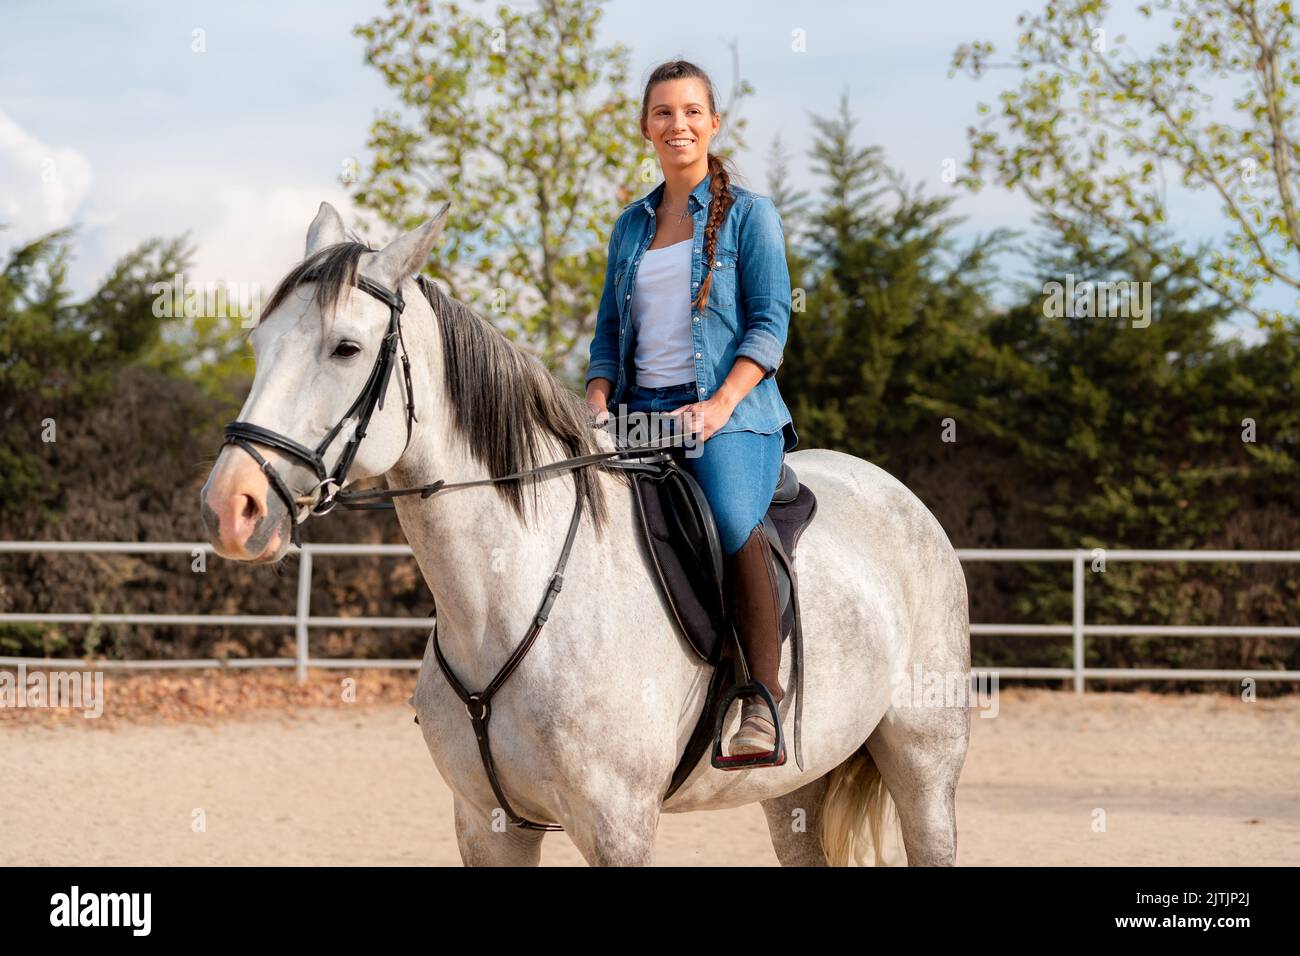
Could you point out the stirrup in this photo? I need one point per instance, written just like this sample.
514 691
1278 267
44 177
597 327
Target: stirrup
773 758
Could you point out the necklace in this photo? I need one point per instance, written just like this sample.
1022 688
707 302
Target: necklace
684 214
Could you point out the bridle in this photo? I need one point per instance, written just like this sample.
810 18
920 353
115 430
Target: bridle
323 497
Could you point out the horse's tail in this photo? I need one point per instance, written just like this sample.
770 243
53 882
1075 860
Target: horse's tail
856 811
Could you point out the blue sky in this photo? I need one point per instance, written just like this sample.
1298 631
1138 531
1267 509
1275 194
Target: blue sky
110 121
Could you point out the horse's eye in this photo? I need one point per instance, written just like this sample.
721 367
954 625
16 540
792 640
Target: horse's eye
347 349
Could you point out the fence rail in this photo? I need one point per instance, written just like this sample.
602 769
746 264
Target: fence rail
303 621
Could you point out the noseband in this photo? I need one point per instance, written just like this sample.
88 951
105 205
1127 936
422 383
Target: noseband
244 434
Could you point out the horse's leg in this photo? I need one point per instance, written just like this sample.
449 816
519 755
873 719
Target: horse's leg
480 845
795 822
919 752
614 831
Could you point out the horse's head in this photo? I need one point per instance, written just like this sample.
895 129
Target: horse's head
327 346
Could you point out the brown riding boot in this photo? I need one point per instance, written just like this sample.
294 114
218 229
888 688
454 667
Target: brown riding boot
756 610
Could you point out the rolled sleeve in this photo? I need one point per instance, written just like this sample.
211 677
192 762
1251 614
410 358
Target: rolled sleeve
602 360
764 286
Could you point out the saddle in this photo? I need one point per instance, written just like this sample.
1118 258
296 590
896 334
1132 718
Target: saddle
681 537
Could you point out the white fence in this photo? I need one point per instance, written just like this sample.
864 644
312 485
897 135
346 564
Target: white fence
303 621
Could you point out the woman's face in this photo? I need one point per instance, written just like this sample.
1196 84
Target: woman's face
679 123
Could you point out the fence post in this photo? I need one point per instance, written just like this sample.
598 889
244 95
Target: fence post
304 610
1078 621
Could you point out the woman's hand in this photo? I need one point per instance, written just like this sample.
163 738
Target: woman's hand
702 419
710 415
598 392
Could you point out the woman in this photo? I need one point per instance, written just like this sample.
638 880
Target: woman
692 322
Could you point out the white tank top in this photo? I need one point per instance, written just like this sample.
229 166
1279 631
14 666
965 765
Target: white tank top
661 315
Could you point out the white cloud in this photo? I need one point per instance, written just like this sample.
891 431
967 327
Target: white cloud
255 234
41 186
246 225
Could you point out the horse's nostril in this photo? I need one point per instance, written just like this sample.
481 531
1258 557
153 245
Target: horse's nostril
251 509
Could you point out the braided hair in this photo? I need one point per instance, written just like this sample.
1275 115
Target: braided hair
722 169
719 205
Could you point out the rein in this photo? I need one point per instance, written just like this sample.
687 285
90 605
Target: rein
380 497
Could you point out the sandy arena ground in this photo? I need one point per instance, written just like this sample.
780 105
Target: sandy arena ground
289 775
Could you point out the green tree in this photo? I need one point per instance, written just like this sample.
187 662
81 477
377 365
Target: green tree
1122 423
203 338
1135 437
894 305
1094 132
58 355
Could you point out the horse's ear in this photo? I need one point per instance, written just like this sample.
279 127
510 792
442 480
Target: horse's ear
325 230
406 254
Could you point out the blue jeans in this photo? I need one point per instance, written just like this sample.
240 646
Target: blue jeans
737 471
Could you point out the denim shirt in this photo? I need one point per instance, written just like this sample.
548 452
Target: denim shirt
748 311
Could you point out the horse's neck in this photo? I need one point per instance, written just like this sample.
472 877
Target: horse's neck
486 570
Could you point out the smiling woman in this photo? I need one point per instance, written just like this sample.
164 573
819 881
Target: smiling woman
693 322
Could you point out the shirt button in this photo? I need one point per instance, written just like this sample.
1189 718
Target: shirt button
701 393
697 318
697 354
628 296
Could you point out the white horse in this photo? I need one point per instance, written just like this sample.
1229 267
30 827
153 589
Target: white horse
587 730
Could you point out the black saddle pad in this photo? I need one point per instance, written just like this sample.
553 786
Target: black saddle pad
681 553
791 518
678 528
